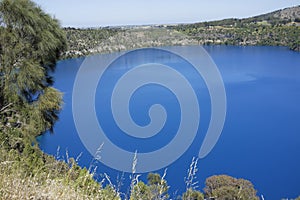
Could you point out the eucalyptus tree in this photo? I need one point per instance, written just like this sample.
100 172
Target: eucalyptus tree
31 42
223 187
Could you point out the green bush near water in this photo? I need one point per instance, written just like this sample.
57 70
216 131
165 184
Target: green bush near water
31 43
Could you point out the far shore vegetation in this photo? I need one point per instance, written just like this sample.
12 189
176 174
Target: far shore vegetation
279 28
31 44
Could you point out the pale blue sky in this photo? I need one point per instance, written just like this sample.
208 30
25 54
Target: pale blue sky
95 13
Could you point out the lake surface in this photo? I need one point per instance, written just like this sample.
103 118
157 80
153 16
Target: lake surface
260 140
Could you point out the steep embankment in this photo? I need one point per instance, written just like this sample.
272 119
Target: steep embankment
279 28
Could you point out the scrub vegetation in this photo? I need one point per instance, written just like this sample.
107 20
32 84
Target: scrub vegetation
31 43
279 28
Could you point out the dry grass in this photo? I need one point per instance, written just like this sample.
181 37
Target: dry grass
54 180
17 187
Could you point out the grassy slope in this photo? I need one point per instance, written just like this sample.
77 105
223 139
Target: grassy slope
31 174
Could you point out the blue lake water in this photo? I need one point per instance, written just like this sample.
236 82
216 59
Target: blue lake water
261 136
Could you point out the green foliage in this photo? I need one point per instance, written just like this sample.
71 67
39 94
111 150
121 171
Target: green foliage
140 192
220 187
191 194
275 29
251 31
158 186
156 189
31 42
108 193
34 175
224 187
83 42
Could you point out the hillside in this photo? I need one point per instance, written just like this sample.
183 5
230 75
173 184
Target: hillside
279 17
83 42
31 44
279 28
287 14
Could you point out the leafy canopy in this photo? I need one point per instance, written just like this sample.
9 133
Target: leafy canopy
30 44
